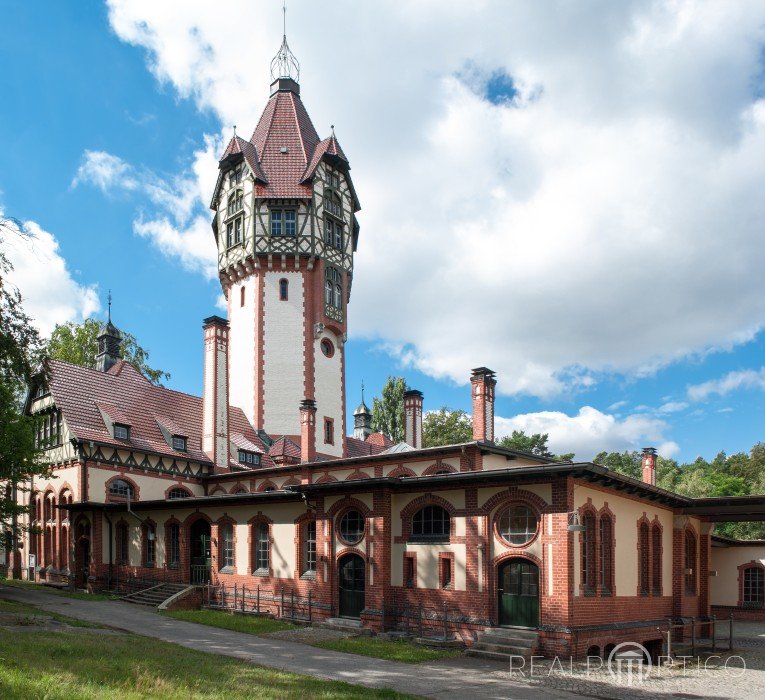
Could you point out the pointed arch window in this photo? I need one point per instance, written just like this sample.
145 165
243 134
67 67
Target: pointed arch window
656 552
589 552
606 555
262 542
149 545
122 536
644 560
333 287
173 545
690 563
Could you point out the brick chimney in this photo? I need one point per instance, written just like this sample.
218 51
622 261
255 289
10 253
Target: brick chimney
307 430
215 396
413 418
649 465
482 383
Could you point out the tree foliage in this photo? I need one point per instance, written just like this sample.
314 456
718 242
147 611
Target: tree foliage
535 444
77 343
446 427
388 409
19 350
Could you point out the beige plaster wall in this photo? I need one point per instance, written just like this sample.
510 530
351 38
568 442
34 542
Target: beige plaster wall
723 588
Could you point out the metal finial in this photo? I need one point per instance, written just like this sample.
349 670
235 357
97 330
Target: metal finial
332 126
109 299
284 64
234 130
362 391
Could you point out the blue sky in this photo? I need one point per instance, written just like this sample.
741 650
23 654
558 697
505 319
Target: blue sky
613 320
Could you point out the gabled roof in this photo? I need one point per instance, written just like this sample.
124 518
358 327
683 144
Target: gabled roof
375 444
285 447
82 393
285 124
240 145
330 149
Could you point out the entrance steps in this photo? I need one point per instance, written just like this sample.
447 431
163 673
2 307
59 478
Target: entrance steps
156 595
345 624
502 643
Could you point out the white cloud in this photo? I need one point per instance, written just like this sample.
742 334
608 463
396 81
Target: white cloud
607 219
673 407
591 431
49 297
733 381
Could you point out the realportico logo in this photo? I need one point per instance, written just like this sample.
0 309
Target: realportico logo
628 664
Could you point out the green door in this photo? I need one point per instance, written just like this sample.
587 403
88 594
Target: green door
351 575
518 589
200 553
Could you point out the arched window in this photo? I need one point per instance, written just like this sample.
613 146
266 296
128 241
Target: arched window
173 545
656 559
309 547
690 563
241 295
178 492
644 561
352 527
149 545
333 287
284 287
64 548
119 488
226 546
606 555
589 565
122 536
431 523
754 587
262 546
517 525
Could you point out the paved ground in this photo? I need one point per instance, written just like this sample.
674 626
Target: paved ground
450 678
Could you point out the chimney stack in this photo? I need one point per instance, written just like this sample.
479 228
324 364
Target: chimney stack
215 439
413 418
482 383
307 430
649 465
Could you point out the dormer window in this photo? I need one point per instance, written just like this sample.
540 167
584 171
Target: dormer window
179 443
121 432
236 174
249 458
283 222
178 493
48 432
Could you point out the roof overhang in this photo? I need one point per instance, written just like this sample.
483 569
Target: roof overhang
728 508
185 503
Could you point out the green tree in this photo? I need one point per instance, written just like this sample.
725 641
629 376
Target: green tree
77 343
388 410
446 427
627 463
535 444
19 348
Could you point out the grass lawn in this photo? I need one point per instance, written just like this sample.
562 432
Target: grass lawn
390 649
66 665
57 591
10 606
252 624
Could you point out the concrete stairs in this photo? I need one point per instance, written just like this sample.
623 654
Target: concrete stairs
345 624
502 643
156 595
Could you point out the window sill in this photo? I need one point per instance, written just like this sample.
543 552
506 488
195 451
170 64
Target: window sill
428 540
308 576
589 592
261 572
226 570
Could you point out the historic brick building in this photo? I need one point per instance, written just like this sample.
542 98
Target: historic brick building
256 483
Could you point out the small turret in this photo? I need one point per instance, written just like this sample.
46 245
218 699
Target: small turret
109 342
362 420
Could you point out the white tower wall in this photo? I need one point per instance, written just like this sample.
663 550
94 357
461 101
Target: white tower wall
329 393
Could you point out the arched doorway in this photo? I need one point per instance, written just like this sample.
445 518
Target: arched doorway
82 567
518 592
199 537
351 576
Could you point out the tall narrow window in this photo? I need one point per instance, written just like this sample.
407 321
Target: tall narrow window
589 566
122 544
333 287
410 571
226 546
643 559
276 222
150 545
309 547
237 230
445 574
174 545
690 563
289 222
241 296
284 290
606 555
329 431
754 587
656 559
261 547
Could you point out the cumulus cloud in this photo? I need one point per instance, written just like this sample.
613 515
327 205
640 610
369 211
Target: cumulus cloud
733 381
591 431
49 298
556 204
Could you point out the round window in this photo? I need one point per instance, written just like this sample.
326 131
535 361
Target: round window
352 527
327 348
517 525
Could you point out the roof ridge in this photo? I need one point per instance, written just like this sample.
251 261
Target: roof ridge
297 124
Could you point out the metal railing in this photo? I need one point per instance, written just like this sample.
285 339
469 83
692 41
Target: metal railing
274 601
699 634
437 622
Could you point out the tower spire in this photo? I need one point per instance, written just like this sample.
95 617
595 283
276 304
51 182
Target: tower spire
109 299
284 64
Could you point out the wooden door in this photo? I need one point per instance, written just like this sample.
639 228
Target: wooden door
351 580
518 590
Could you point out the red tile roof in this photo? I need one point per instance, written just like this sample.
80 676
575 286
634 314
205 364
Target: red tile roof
285 447
81 393
361 448
239 145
